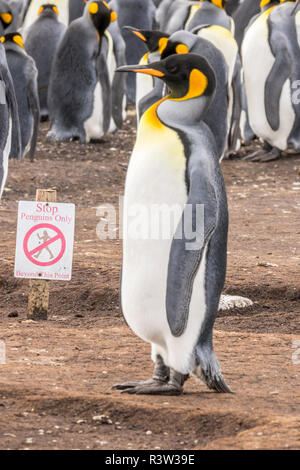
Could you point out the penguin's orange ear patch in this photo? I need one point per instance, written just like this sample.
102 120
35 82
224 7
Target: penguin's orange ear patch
18 40
182 49
113 16
93 8
162 44
55 9
263 3
2 39
218 3
6 17
40 10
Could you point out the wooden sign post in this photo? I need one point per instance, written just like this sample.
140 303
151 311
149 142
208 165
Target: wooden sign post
38 300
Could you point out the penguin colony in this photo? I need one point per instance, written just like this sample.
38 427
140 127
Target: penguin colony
205 76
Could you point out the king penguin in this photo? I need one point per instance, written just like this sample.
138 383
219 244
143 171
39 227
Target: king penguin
35 5
41 41
171 285
77 107
24 74
10 137
271 62
139 14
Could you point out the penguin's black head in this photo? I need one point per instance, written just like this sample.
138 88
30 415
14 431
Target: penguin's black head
174 47
186 75
49 9
6 18
154 40
101 15
14 38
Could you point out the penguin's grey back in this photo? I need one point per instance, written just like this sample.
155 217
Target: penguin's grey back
22 69
42 40
76 8
73 76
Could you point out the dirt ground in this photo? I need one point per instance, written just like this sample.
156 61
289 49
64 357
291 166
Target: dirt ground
55 390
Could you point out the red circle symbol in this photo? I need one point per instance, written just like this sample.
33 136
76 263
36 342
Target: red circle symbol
59 236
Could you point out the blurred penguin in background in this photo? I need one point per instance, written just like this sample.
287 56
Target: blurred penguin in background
11 15
79 95
138 14
24 74
34 7
41 41
10 138
76 9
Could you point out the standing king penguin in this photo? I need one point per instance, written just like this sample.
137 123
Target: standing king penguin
35 5
170 288
10 138
24 74
79 108
271 63
41 41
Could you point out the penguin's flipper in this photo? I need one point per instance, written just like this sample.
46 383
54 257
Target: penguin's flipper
234 132
187 248
16 145
103 77
118 93
34 105
119 80
277 77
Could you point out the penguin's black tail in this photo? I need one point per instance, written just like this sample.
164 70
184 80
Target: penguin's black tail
209 370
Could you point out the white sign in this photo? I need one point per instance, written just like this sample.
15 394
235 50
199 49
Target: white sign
45 240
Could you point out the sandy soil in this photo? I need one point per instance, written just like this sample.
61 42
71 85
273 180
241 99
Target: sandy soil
57 382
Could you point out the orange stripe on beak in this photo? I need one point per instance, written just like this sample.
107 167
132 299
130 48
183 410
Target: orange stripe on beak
139 35
155 73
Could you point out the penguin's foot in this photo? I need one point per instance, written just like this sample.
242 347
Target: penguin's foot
228 302
263 156
174 386
161 375
146 383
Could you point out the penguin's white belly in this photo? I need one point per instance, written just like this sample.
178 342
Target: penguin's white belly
32 13
257 63
94 125
156 178
6 153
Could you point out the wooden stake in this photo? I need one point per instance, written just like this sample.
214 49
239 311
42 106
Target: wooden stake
38 300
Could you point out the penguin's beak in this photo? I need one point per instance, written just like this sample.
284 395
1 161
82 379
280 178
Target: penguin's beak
153 69
137 32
